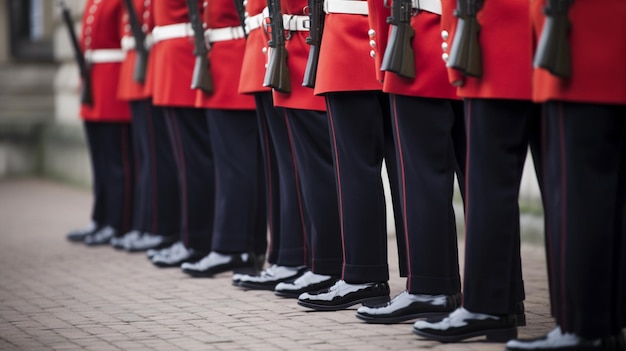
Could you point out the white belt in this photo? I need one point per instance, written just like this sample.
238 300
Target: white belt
213 35
128 42
256 21
171 31
296 23
104 55
433 6
353 7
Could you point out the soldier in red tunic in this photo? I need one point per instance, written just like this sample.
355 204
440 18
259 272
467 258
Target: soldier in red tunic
584 101
285 209
361 137
307 131
429 135
107 125
240 227
501 122
156 215
169 82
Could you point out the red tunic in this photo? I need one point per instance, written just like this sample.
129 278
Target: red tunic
255 56
171 61
431 79
128 88
506 41
297 55
597 52
345 63
102 29
225 61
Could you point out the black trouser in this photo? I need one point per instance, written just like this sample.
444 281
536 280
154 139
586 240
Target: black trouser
585 180
240 217
361 137
189 137
308 133
111 154
284 200
157 204
499 133
426 165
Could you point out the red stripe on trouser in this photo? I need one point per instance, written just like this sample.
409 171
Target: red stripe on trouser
297 179
338 177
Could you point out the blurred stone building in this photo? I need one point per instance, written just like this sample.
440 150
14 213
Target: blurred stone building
40 132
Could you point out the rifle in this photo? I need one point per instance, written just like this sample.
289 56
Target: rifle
465 54
399 57
553 51
241 12
201 78
141 60
277 73
85 93
316 19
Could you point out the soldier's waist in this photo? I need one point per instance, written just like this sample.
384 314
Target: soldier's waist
352 7
171 31
433 6
213 35
104 55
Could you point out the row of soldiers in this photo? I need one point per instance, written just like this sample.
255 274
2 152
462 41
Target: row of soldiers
210 121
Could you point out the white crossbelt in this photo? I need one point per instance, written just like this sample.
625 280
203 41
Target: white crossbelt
213 35
128 42
256 21
171 31
296 23
353 7
433 6
104 55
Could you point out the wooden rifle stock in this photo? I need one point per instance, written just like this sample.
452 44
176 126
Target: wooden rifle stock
316 19
465 53
277 73
399 57
141 58
201 78
86 96
553 50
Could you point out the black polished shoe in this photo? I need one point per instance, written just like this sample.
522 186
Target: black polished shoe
405 307
176 255
101 237
215 263
147 241
343 295
462 324
269 278
79 235
120 241
309 282
558 341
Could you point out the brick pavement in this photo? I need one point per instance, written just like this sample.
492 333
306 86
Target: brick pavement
55 295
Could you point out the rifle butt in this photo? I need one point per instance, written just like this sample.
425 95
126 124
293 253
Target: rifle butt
553 49
277 73
201 78
310 71
86 96
141 65
399 57
465 53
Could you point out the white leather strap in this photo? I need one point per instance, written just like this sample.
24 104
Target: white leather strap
433 6
128 43
171 31
296 23
256 21
353 7
213 35
104 55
